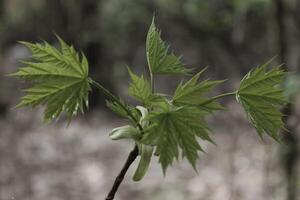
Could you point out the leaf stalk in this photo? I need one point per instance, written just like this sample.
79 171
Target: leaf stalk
217 97
117 100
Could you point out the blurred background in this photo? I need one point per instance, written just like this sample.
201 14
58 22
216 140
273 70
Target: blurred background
56 162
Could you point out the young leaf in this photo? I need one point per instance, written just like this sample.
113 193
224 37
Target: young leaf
262 99
116 108
176 127
159 59
139 87
60 79
192 94
144 113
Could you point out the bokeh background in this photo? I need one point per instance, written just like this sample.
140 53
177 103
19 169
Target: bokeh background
79 162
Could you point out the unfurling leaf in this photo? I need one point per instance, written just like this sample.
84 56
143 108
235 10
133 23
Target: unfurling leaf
60 79
144 113
145 152
159 59
125 132
128 131
262 99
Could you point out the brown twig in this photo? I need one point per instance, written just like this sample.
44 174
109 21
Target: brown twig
131 157
133 154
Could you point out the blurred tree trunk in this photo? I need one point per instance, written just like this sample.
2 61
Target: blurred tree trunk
289 138
2 104
1 8
89 10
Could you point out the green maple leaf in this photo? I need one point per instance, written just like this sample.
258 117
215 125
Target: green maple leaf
174 128
159 59
193 93
140 89
59 77
261 99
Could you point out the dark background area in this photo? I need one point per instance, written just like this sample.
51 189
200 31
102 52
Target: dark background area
51 162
